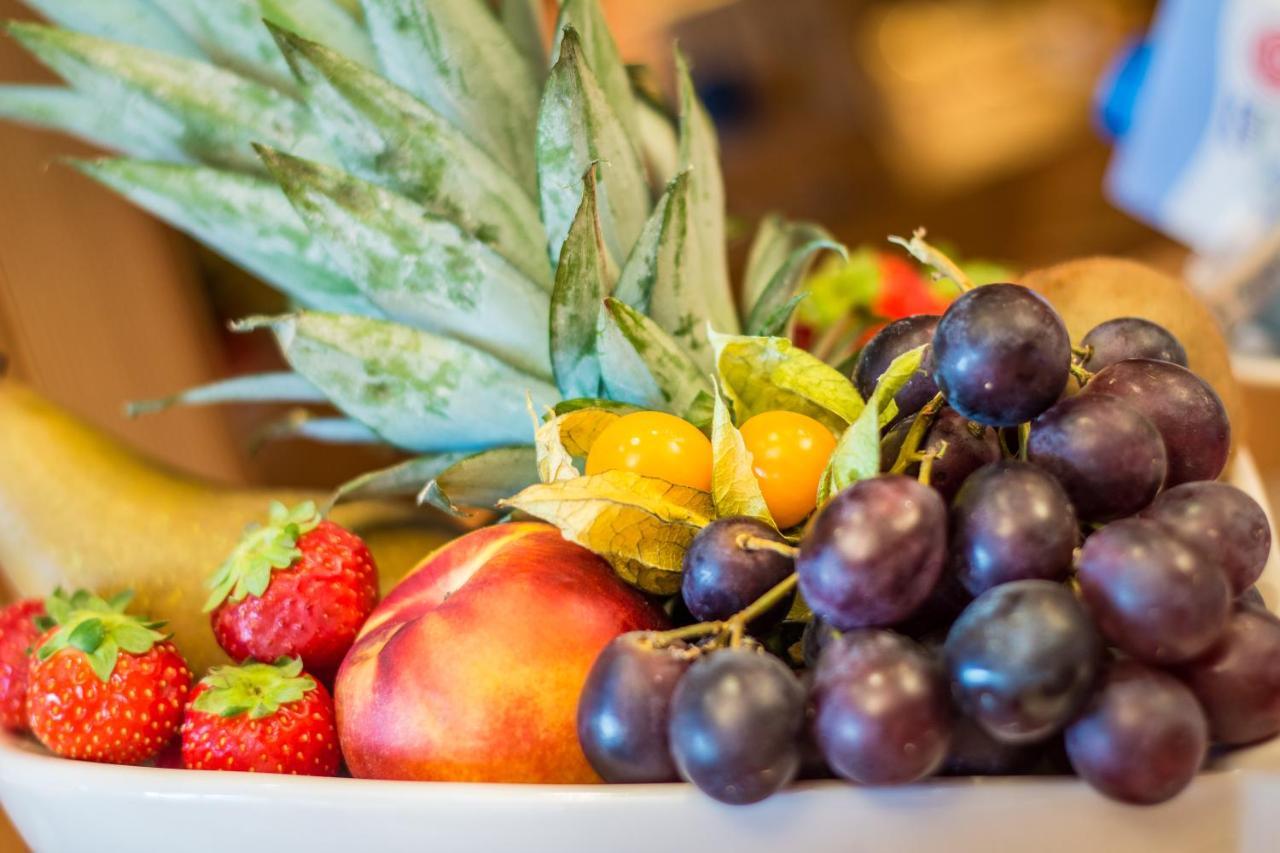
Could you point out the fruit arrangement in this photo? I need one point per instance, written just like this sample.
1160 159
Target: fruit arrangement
992 543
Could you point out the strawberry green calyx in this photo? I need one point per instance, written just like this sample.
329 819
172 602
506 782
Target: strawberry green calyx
96 627
256 689
262 550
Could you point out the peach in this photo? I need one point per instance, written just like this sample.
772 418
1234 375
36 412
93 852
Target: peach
470 669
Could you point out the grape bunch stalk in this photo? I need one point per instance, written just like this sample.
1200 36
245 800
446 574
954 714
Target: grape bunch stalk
1045 575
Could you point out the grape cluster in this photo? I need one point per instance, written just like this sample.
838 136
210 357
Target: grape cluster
1048 578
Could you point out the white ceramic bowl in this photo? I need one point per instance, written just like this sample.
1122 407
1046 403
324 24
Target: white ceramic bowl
61 805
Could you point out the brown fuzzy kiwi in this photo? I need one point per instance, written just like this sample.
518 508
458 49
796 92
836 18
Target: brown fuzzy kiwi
1089 291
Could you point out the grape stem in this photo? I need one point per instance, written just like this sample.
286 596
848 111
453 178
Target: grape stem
1082 376
915 435
736 625
747 542
926 462
932 257
1024 439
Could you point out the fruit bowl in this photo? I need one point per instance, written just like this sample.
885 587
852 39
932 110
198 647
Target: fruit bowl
119 808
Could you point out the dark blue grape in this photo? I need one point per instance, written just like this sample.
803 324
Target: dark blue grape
624 708
1221 521
815 638
973 752
1022 659
1011 521
1238 679
880 709
893 340
872 555
1187 412
721 576
1131 337
1141 738
969 446
1107 455
1153 596
736 723
1252 597
1001 355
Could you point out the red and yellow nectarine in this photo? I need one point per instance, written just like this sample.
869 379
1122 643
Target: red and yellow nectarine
471 667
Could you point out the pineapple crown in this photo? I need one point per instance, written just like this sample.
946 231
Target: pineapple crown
256 689
98 628
262 549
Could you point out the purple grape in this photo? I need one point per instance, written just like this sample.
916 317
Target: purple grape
1142 737
736 723
1224 523
1153 596
1001 355
1011 521
881 715
1022 659
873 553
1252 597
893 340
969 446
1108 456
1238 680
1131 337
817 634
624 709
722 577
1186 411
932 619
973 752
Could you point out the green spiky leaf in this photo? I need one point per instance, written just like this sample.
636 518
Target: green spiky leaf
576 131
456 57
734 486
256 689
245 218
634 347
584 275
137 22
97 629
775 322
421 392
417 268
262 549
781 288
281 387
385 135
776 239
308 426
403 478
586 18
482 480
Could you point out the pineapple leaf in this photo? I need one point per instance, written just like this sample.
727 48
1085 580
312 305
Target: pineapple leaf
584 275
659 145
280 387
782 285
700 155
455 56
421 392
385 135
576 131
523 22
677 379
232 33
775 322
482 480
635 283
734 486
245 218
564 407
211 114
302 424
419 269
762 374
78 114
399 480
136 22
586 18
641 525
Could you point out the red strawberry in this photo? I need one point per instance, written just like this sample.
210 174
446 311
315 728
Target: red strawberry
104 685
18 632
298 586
262 718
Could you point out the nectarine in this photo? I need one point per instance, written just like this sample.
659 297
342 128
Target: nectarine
471 668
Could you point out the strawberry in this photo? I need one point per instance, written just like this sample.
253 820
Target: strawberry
18 631
296 586
261 718
104 685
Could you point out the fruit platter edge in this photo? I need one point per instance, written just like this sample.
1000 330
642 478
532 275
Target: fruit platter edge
60 805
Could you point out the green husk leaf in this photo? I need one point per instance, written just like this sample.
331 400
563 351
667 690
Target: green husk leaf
700 156
782 285
763 374
96 629
456 57
102 660
138 132
482 480
419 269
137 22
857 454
577 130
421 392
87 636
385 135
281 387
256 689
522 20
134 638
586 18
734 486
212 114
566 436
262 549
245 218
641 525
895 376
676 379
584 275
399 480
775 240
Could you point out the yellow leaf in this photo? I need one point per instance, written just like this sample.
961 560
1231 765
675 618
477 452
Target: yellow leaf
734 486
641 525
565 437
